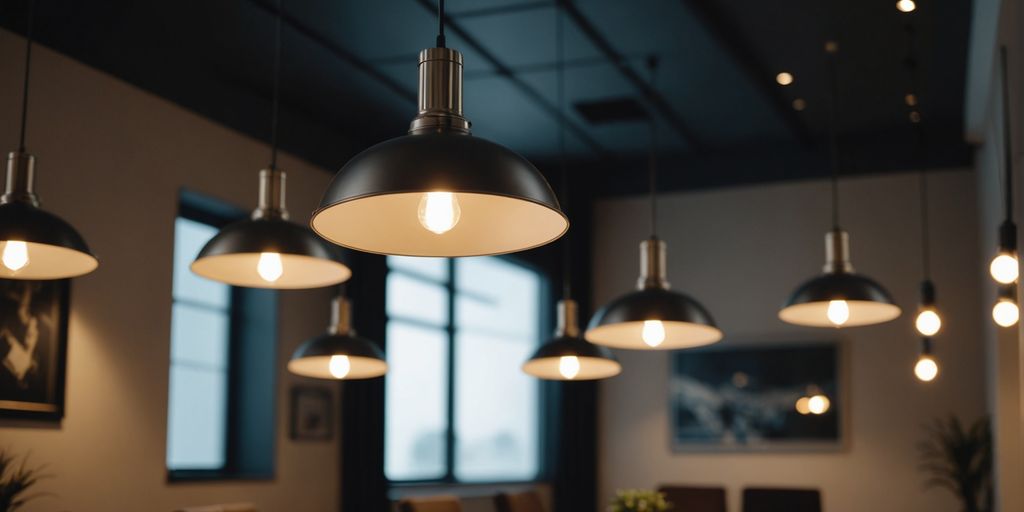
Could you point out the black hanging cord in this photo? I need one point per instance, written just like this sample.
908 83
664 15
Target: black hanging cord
915 106
560 71
28 65
277 88
832 48
652 173
440 24
1007 142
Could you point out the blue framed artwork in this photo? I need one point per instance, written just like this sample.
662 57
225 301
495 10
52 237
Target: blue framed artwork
756 398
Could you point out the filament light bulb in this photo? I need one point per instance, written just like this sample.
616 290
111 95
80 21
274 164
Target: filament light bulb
838 312
339 366
928 322
906 5
270 267
926 369
569 367
653 333
1005 313
1004 268
439 212
15 255
802 407
818 404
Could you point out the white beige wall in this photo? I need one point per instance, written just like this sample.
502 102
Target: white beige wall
111 159
741 251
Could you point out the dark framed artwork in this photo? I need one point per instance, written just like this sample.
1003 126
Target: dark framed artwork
311 415
756 398
33 348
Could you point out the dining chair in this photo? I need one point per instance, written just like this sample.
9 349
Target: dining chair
430 504
694 499
528 501
781 500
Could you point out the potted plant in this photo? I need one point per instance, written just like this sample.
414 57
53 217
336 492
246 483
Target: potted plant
16 479
639 500
960 460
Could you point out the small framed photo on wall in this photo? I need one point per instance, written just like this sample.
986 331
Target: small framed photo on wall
33 348
311 414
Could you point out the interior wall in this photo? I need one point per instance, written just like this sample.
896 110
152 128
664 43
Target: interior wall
111 159
740 252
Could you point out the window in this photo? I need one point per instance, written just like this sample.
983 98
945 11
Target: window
220 417
458 408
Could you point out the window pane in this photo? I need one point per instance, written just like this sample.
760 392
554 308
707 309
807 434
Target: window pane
196 418
416 399
496 296
496 408
413 299
435 269
189 238
199 336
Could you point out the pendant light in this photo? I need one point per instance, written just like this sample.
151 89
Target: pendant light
568 356
839 297
339 354
35 244
268 251
926 368
653 317
1005 268
928 321
439 191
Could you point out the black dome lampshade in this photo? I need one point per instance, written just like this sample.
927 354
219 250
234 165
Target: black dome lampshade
339 354
268 251
35 244
653 317
439 191
839 297
570 357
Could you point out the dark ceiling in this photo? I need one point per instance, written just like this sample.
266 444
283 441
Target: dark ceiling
350 76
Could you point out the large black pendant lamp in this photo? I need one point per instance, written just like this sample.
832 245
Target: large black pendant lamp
653 317
439 191
339 354
568 356
35 244
268 251
839 297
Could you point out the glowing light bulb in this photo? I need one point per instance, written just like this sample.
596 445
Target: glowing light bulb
838 312
1006 313
439 212
928 322
15 255
653 333
906 5
569 367
339 366
926 369
818 404
1004 268
802 407
270 267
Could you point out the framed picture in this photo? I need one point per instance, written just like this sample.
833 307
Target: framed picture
33 348
754 398
311 414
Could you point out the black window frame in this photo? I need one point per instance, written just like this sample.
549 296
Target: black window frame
545 318
250 448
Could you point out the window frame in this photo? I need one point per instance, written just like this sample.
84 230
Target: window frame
545 325
217 214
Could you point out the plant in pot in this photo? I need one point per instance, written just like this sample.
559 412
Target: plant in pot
959 459
639 500
16 480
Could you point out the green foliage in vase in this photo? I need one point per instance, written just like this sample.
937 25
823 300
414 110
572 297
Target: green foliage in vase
960 460
16 479
639 500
